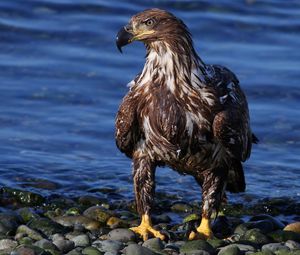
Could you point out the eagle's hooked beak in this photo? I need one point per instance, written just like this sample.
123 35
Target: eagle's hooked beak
124 37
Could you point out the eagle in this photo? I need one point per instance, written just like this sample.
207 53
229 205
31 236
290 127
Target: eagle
181 113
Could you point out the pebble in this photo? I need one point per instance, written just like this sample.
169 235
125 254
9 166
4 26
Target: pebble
8 244
81 240
45 244
77 220
196 245
245 248
181 207
46 226
25 251
108 245
276 223
121 234
255 236
231 249
76 251
23 229
97 213
283 236
197 252
292 244
64 245
294 227
27 214
8 224
274 247
154 244
91 251
135 249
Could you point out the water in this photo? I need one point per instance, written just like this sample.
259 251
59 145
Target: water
62 80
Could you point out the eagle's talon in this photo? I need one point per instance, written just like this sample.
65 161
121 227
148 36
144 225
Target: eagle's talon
200 235
145 231
204 231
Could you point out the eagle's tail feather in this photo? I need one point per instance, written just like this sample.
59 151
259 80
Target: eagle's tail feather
236 179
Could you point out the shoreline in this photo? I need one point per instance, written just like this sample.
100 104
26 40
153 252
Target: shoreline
33 224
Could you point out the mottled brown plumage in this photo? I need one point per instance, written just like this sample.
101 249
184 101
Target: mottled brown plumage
182 113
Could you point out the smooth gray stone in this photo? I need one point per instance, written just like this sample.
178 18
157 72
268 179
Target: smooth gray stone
108 245
8 244
135 249
274 247
123 235
81 240
64 245
231 249
154 244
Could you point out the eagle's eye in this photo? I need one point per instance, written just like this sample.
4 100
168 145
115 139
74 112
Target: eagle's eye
149 22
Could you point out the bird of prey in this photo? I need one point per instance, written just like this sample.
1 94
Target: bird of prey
182 113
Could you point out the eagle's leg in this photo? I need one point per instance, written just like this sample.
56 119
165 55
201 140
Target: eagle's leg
213 188
144 187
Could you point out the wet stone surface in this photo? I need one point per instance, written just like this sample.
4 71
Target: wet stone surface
90 226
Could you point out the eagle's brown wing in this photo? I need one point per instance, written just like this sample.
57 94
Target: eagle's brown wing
126 133
231 126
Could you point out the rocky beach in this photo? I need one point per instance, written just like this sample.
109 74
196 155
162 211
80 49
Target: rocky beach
92 225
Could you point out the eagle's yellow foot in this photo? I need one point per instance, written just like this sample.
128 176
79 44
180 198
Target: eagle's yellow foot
145 229
203 231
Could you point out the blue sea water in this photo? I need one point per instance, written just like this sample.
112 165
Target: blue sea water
62 80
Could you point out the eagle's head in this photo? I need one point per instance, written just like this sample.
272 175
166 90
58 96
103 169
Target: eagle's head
150 26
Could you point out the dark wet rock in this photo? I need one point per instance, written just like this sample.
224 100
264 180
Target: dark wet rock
46 226
76 251
108 245
171 247
26 240
64 245
8 244
45 244
265 226
81 240
30 250
267 252
230 250
121 234
245 247
163 218
115 222
154 244
181 207
292 245
216 243
73 211
277 224
8 223
197 252
196 245
23 229
72 221
22 196
192 217
274 247
135 249
255 236
59 203
283 236
221 227
91 251
88 200
27 214
97 213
